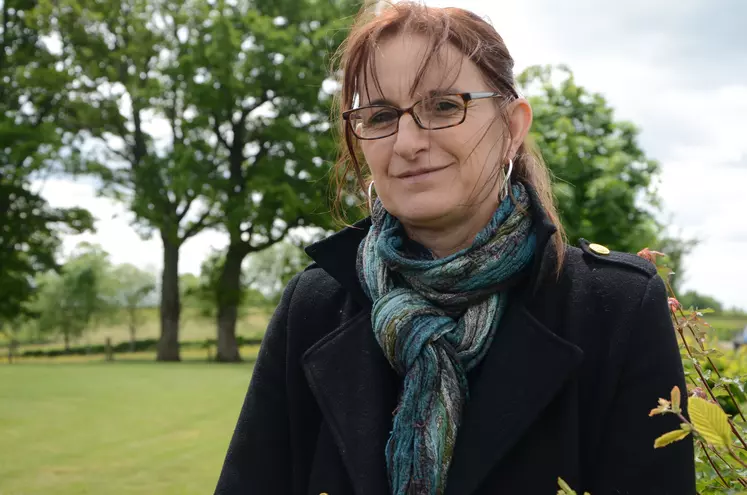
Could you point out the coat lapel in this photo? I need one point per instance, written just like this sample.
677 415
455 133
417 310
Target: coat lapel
357 392
525 368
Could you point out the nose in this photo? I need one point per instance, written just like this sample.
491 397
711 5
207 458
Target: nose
410 138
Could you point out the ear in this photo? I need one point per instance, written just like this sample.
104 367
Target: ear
520 121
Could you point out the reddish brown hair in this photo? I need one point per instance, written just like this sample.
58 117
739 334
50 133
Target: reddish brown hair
472 36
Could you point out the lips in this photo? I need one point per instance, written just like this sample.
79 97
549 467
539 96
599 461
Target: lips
419 171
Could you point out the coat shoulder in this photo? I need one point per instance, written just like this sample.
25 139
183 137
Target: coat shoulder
598 255
597 271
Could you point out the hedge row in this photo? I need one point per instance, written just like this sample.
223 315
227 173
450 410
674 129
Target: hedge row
140 346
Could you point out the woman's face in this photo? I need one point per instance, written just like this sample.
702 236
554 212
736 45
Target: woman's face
434 177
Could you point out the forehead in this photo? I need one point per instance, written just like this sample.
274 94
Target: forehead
396 72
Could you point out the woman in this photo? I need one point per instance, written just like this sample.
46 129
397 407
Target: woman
452 343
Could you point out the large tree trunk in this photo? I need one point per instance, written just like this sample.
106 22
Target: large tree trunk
168 345
67 341
229 297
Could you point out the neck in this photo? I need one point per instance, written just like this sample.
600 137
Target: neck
446 238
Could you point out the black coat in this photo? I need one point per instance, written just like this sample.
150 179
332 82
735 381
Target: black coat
564 391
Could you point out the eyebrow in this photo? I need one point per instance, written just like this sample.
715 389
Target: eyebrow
429 94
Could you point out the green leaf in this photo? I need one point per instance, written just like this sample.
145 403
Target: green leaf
710 421
670 437
564 488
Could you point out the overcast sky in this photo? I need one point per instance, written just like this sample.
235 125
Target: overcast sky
677 69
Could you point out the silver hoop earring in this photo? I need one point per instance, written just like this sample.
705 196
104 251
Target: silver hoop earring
370 199
507 180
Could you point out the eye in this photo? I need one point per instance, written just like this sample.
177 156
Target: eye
442 106
381 116
445 105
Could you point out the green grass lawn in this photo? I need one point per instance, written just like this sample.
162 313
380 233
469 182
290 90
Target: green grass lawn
128 427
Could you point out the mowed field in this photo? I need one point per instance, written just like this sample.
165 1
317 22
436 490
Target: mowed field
128 427
73 425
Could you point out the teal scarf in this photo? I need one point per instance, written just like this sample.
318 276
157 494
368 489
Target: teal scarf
435 319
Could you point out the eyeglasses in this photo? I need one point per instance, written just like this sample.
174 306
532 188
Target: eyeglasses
433 113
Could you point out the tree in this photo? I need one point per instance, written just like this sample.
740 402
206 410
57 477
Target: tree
262 67
203 291
269 271
695 300
144 141
235 88
78 298
132 287
604 180
12 330
32 105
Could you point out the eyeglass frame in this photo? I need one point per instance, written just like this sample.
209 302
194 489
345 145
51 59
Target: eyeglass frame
466 97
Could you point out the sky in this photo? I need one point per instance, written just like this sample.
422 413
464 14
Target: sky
677 69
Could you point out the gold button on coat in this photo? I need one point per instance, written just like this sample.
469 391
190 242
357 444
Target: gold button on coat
599 249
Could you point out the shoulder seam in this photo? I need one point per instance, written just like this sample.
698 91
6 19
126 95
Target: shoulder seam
619 258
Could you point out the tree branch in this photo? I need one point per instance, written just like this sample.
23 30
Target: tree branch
271 241
121 154
180 214
245 111
200 224
218 134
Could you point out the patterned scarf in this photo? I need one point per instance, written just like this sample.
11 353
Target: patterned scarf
435 319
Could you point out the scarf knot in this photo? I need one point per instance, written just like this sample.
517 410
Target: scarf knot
435 320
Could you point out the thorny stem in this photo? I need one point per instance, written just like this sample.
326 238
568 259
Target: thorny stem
704 381
713 449
702 348
716 452
705 451
713 465
740 461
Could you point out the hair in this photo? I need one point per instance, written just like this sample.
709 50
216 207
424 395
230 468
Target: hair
470 35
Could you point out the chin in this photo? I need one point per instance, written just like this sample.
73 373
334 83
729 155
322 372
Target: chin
421 210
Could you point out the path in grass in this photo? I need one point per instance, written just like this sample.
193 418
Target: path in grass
116 428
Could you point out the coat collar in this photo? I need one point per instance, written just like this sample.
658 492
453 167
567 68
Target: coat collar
357 390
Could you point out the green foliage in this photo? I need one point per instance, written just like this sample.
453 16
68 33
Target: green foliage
710 421
202 292
565 489
261 67
269 271
131 288
123 57
604 181
694 300
32 109
140 345
78 298
717 377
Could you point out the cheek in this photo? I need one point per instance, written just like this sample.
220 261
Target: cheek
478 146
377 154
